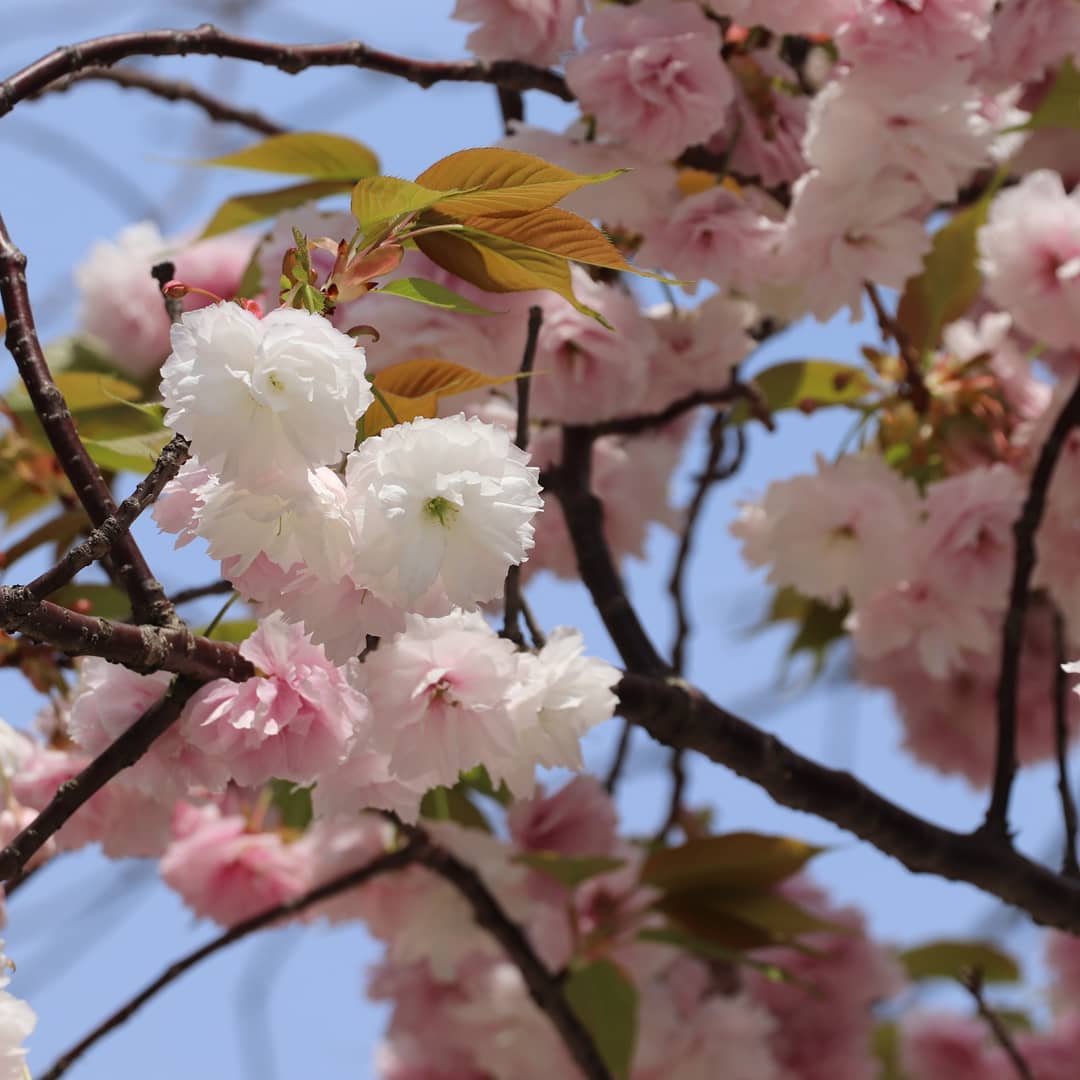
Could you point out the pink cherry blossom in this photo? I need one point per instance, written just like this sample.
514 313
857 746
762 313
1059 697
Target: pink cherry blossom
294 721
578 819
537 31
652 74
1027 37
943 1047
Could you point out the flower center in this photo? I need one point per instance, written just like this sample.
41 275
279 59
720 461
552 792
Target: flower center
440 510
275 381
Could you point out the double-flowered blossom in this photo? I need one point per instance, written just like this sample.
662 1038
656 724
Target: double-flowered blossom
263 396
445 502
537 31
17 1021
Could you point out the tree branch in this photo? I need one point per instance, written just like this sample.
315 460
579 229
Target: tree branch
973 983
148 599
129 78
637 425
1069 866
208 40
1012 636
543 986
391 861
101 540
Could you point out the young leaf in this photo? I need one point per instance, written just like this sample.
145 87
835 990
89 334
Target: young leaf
807 385
130 453
453 804
503 181
104 601
243 210
380 198
606 1002
293 803
1060 106
735 861
949 959
568 870
431 292
314 154
499 265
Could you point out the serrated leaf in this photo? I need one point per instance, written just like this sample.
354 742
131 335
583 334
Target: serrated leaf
606 1002
950 959
381 198
568 870
950 280
243 210
807 385
558 232
128 453
318 155
413 389
104 601
452 804
817 624
292 802
479 780
499 265
431 292
734 861
1060 107
506 181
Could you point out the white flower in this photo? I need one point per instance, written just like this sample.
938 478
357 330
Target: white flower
263 395
561 696
445 501
17 1020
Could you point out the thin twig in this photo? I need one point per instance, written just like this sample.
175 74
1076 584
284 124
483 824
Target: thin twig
148 599
207 40
197 592
620 757
391 861
972 981
1012 636
102 539
539 638
512 587
511 107
890 328
69 797
544 987
129 78
1069 866
646 422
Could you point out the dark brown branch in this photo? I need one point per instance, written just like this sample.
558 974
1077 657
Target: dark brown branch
139 647
208 40
973 983
637 425
511 107
391 861
129 78
1060 690
1012 635
619 758
512 588
890 328
120 755
544 987
148 599
214 588
102 539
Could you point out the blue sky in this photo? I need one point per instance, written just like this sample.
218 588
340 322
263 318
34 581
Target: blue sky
86 933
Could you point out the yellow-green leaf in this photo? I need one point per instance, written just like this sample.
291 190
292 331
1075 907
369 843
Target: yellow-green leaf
130 453
413 389
243 210
950 279
568 870
84 391
315 154
380 198
453 804
431 292
606 1002
807 385
104 601
505 181
741 860
499 265
235 630
292 802
1060 107
950 959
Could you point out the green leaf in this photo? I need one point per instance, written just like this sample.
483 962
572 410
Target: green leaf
292 802
235 630
568 870
431 292
255 206
818 625
606 1002
103 601
886 1047
452 804
679 939
950 959
1060 107
734 861
381 198
84 391
950 279
503 181
807 385
478 779
315 154
77 353
128 453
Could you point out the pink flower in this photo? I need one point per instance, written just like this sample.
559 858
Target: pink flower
788 16
944 1047
226 873
122 305
1030 255
294 721
578 819
584 371
177 508
1027 37
537 31
652 74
